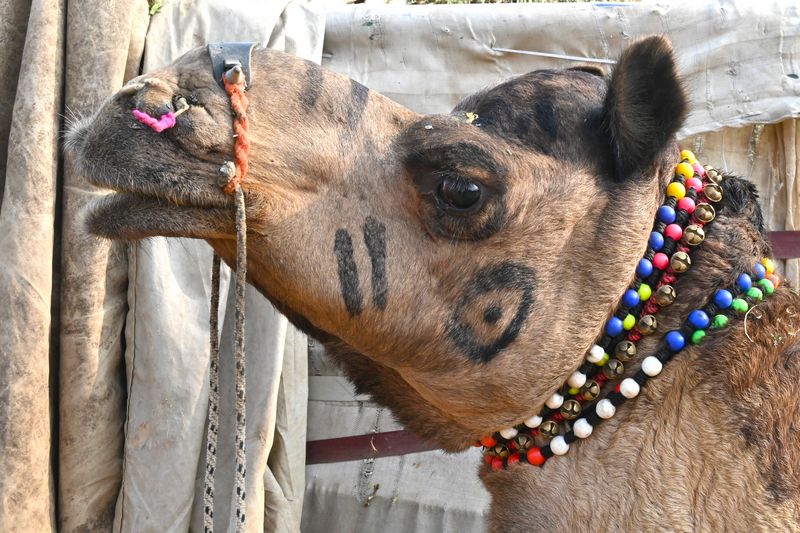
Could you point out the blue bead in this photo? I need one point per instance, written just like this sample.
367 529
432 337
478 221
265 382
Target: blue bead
761 271
645 268
614 326
631 298
666 214
656 240
744 282
698 319
675 341
723 299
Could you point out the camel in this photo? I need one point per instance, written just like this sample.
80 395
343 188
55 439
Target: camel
461 268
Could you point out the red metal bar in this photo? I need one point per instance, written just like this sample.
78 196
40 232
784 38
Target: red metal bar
785 244
368 446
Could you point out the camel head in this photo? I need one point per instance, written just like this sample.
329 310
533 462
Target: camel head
459 266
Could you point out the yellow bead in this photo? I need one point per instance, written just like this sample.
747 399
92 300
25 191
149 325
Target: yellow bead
688 156
769 265
573 391
676 190
644 292
684 169
629 322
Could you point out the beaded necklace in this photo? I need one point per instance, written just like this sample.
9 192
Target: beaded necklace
569 415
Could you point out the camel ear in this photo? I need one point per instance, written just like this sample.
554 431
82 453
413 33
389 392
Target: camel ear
644 106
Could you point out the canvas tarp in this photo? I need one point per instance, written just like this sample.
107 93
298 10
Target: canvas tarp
103 377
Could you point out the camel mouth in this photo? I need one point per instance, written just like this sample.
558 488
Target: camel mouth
134 216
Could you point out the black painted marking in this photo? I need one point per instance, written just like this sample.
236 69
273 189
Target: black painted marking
348 272
375 239
312 86
503 278
492 314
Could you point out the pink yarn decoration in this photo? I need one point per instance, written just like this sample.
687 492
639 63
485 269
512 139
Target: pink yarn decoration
166 121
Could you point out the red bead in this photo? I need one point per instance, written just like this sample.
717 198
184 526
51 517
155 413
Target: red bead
497 463
557 417
601 379
617 388
477 444
660 261
674 232
686 204
513 459
694 183
488 441
535 456
488 458
776 281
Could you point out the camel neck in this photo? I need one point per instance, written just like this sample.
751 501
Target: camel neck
648 310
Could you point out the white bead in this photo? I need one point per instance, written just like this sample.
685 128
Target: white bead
605 409
559 446
595 354
582 428
651 366
577 380
533 422
629 388
508 433
554 401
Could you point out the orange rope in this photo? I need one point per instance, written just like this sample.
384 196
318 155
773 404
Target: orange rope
241 142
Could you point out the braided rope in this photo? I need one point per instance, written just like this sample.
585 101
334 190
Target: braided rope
239 357
212 426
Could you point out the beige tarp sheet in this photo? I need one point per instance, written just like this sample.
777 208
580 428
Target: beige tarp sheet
103 404
741 61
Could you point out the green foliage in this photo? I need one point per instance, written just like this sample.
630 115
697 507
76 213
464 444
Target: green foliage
155 6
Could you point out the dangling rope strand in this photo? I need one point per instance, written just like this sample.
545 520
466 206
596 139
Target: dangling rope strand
239 357
212 426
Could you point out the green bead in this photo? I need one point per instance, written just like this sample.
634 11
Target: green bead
603 361
645 292
767 286
720 321
573 391
698 336
740 305
629 322
755 293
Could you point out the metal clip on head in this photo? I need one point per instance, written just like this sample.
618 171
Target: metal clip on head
233 61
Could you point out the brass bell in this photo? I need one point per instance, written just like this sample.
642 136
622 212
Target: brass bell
713 174
665 295
549 429
500 450
571 409
713 192
624 351
680 262
523 441
590 390
705 212
693 235
647 325
613 369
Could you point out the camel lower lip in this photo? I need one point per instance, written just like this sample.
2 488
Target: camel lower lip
131 216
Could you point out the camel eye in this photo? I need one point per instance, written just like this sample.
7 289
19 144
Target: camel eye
458 192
